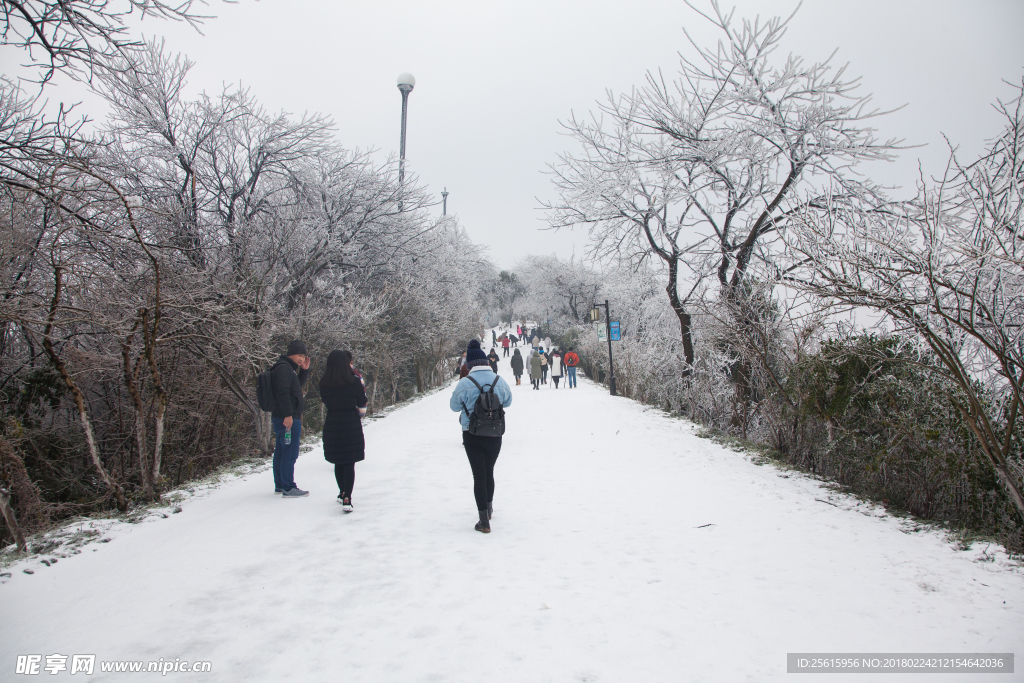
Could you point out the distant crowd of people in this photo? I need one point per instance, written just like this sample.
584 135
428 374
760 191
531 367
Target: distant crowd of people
541 359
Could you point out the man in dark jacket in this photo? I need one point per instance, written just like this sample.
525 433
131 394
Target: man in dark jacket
287 377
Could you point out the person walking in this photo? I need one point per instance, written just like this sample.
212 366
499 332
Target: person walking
287 378
536 340
517 366
492 358
505 343
494 338
482 451
344 397
544 361
571 360
556 367
535 370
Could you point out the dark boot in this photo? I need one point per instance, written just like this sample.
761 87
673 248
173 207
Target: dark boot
484 525
490 511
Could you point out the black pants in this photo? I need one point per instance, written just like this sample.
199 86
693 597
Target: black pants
506 350
536 383
482 452
555 379
345 474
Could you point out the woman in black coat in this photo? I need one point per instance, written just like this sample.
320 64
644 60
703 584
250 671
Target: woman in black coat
345 399
517 366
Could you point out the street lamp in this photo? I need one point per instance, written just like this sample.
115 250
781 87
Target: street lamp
595 315
406 82
444 200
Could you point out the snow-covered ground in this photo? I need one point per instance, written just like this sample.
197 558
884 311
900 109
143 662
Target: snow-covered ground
624 548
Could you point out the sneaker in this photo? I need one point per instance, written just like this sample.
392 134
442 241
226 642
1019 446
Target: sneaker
346 505
294 493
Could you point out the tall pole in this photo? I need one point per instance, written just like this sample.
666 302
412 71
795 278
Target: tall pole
401 152
611 364
406 82
444 199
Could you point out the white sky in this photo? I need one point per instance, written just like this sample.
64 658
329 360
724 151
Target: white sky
493 79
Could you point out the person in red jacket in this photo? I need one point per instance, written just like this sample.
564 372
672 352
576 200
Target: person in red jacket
505 343
570 360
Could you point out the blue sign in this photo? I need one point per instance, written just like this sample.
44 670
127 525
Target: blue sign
615 330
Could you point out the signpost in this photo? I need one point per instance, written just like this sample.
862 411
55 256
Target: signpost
606 332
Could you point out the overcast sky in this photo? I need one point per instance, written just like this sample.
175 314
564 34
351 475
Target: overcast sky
494 79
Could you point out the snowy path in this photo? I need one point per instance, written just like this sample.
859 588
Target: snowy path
599 567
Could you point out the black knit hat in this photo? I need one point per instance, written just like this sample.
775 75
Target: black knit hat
296 348
474 352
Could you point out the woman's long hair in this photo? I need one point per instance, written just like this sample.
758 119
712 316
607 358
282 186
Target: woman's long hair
339 370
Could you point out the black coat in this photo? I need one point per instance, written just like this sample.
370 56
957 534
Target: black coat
517 364
343 430
287 379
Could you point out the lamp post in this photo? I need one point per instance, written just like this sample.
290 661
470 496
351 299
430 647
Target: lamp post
406 82
595 315
444 202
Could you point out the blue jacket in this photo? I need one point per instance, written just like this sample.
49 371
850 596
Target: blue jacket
465 393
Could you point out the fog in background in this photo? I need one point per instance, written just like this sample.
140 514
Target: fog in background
493 80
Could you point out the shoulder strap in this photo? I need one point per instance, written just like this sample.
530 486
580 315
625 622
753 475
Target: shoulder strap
464 408
281 360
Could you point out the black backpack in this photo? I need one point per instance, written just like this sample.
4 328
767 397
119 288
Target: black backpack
265 389
488 416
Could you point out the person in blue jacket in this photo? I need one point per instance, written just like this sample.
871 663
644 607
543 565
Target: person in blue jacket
482 451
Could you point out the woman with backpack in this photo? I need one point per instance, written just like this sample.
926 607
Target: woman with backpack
482 426
544 362
517 366
345 399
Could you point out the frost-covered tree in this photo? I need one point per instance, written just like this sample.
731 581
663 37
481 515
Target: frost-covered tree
947 268
505 290
566 288
699 173
82 37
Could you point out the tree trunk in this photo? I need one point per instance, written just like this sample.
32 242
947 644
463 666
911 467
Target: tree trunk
140 415
12 522
62 370
685 329
149 336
